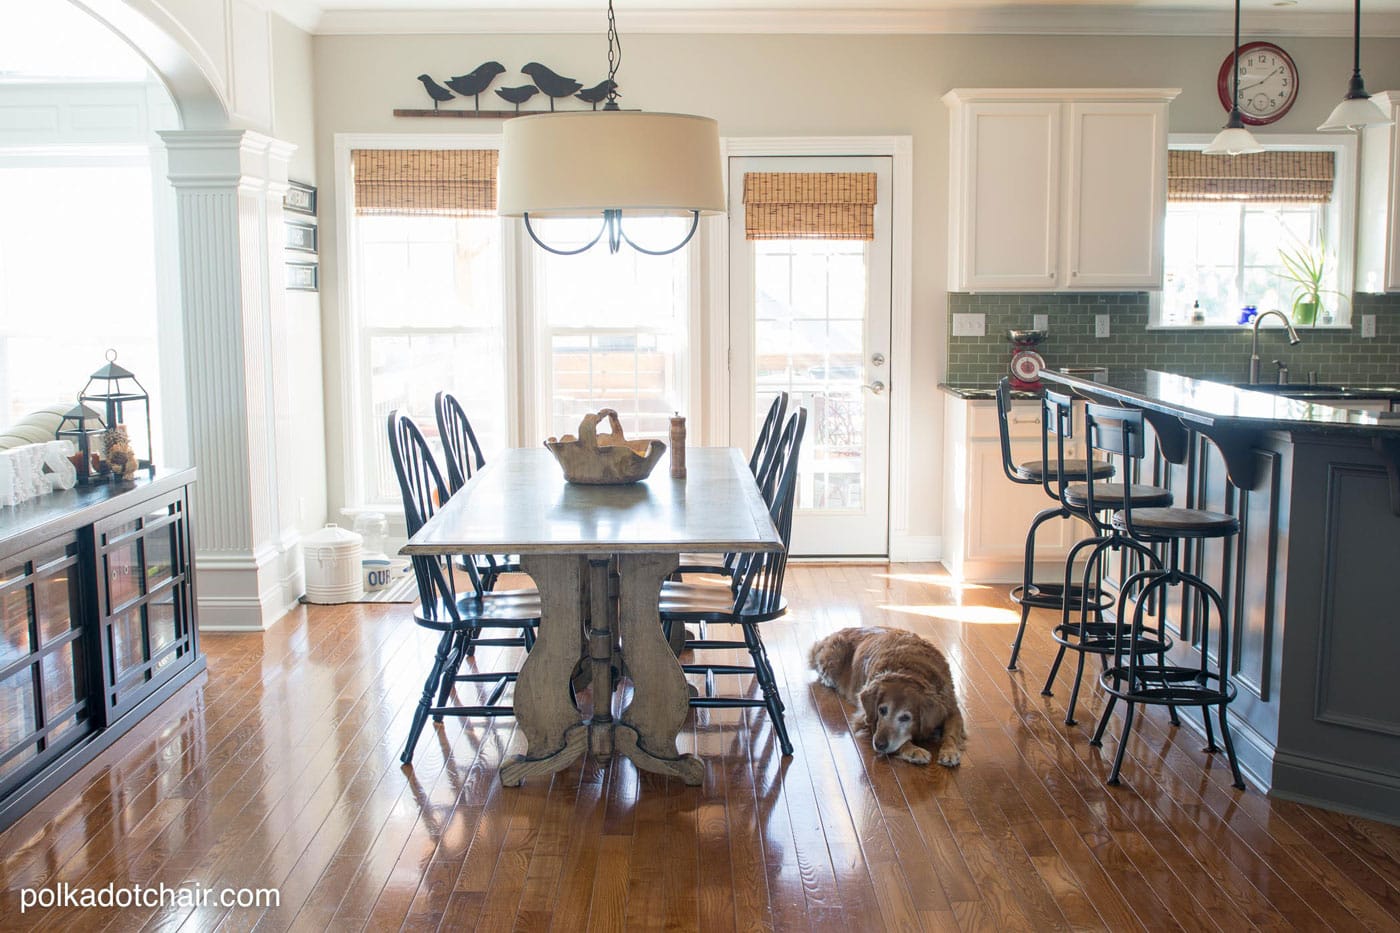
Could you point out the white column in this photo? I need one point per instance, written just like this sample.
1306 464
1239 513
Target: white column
228 189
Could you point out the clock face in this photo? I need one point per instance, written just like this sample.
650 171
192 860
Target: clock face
1026 365
1268 82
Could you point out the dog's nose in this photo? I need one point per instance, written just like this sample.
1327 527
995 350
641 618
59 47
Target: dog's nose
879 745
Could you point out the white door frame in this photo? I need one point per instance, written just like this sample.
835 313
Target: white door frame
902 546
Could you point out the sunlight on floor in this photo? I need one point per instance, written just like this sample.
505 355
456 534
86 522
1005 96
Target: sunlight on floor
974 615
932 579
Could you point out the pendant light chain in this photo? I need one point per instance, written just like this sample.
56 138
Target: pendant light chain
615 57
1235 76
1356 45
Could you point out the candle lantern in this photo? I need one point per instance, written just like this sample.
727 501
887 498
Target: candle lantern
83 427
117 390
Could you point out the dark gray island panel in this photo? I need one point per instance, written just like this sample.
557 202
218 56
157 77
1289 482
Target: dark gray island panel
1310 583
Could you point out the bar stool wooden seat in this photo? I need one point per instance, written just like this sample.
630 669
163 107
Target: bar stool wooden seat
1130 676
1052 475
1097 502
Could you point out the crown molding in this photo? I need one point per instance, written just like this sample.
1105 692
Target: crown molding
1010 20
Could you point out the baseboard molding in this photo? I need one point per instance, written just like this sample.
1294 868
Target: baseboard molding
908 549
1374 795
1256 754
249 592
1004 571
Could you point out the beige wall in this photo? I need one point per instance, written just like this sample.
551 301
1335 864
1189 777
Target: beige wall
293 120
805 86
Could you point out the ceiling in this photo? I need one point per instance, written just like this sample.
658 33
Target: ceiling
1021 17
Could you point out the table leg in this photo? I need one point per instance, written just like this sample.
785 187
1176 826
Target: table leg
555 733
649 725
602 602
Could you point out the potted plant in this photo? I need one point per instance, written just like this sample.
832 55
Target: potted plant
1306 266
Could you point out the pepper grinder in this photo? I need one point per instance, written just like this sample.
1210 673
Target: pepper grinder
678 447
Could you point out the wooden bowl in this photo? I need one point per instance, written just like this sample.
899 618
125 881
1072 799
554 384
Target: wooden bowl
595 459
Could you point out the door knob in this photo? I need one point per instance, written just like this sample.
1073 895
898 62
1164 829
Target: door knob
877 387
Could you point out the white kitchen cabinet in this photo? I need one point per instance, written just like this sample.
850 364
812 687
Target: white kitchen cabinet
985 515
1057 189
1378 238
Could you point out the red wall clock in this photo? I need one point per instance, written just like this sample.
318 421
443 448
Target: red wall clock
1268 82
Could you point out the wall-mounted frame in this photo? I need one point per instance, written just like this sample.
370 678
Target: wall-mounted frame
301 236
302 277
300 198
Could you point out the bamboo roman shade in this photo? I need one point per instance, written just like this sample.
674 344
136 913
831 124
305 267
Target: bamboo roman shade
1276 176
444 182
809 205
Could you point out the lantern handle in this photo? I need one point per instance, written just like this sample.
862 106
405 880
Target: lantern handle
111 355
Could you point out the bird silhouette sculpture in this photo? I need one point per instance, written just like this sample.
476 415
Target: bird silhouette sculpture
436 91
517 95
552 84
598 93
473 83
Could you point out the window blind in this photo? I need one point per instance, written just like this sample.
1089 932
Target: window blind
809 205
444 182
1277 176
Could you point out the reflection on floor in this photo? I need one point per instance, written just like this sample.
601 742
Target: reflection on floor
282 772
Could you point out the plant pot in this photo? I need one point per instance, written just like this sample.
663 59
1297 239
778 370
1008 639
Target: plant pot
1305 313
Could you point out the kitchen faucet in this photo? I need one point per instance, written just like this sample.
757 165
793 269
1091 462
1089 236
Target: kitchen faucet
1293 340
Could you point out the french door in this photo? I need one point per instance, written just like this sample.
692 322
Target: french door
812 317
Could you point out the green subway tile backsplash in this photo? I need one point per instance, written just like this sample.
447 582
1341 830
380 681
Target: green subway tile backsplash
1336 355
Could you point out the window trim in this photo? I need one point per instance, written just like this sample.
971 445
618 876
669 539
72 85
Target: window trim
1342 214
354 491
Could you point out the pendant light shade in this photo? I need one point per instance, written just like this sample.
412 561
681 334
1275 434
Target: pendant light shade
1356 111
1234 139
612 164
581 164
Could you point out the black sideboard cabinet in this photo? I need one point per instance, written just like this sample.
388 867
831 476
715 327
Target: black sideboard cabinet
97 624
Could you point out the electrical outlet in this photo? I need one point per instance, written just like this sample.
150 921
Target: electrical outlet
1368 326
969 325
1042 322
1101 325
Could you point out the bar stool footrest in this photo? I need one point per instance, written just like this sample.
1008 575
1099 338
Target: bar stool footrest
1052 596
1102 638
1168 685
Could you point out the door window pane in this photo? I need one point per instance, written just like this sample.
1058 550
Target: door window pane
809 324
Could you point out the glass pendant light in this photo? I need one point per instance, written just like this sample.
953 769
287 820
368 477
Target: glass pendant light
1234 139
1357 110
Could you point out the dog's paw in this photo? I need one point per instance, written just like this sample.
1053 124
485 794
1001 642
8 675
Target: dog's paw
949 757
915 755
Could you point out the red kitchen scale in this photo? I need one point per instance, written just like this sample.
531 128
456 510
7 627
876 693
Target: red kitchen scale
1026 361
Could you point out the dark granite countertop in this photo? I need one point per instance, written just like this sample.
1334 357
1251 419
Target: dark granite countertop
1201 402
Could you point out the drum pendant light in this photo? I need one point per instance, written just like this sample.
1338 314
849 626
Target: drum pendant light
1356 111
610 163
1234 139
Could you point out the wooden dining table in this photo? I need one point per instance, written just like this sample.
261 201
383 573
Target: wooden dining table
599 555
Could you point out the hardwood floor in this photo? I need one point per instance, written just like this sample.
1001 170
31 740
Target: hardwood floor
282 771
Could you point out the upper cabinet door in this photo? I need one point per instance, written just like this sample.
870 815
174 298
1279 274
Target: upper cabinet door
1116 197
1007 196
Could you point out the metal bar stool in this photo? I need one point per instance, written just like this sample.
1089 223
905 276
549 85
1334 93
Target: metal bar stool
1129 677
1090 501
1029 594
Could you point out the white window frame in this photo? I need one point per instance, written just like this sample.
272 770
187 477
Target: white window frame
538 358
353 334
1341 218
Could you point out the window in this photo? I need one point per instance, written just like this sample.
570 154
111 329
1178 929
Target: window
612 329
1230 221
77 276
426 277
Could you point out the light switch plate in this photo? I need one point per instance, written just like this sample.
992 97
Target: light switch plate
969 325
1368 326
1101 325
1042 322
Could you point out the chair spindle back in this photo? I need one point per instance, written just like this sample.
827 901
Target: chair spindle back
761 575
459 442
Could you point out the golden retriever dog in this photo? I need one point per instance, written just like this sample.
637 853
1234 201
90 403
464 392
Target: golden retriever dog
903 686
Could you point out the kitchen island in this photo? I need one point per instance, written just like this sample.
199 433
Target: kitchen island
1309 584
